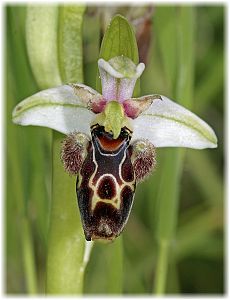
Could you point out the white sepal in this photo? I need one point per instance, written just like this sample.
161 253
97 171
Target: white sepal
57 108
168 124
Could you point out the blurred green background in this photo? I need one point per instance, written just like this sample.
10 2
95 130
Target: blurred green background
197 261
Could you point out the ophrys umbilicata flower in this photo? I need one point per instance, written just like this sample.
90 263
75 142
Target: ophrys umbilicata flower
111 139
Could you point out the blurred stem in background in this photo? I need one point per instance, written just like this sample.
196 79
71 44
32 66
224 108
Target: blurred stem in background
176 42
19 188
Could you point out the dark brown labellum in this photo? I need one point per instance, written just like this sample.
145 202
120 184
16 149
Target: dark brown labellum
106 184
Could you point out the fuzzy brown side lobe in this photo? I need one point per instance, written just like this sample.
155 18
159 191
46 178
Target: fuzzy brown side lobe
143 159
74 151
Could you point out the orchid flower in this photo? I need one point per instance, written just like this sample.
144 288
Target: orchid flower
111 139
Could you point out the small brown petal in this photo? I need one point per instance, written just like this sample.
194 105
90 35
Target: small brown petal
135 106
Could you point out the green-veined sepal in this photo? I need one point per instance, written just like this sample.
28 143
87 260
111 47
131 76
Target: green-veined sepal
60 108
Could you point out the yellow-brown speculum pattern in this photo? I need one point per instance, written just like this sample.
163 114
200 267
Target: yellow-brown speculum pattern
118 186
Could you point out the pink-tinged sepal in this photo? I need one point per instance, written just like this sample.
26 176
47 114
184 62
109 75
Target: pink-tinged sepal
74 151
106 185
143 159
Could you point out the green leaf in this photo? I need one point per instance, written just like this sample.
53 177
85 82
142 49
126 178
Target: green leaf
165 24
69 42
42 46
186 56
119 39
212 82
55 32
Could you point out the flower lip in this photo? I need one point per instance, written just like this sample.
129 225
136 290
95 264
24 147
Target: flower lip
121 67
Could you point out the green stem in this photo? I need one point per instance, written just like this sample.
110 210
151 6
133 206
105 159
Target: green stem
162 267
167 214
28 257
16 159
66 240
179 61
